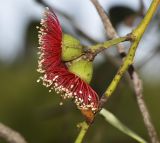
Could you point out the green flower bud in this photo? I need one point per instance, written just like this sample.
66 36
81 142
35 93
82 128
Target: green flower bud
83 69
71 48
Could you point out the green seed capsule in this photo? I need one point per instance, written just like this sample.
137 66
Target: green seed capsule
71 48
83 69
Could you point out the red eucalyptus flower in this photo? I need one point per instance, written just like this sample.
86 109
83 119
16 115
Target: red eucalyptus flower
55 72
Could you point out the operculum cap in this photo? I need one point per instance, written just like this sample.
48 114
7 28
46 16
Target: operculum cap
82 68
71 48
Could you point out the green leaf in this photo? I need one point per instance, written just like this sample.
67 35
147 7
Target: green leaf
112 119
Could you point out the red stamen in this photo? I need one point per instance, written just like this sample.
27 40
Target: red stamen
55 73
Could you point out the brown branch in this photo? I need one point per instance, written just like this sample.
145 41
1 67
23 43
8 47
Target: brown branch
110 31
144 111
137 84
141 11
10 135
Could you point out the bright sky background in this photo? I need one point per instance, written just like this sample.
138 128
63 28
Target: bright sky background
16 14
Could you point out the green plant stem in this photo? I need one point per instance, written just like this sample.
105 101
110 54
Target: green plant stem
84 127
95 49
112 119
127 62
138 32
136 35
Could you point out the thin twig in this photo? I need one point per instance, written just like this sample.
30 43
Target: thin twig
97 48
145 113
10 135
84 127
141 8
137 84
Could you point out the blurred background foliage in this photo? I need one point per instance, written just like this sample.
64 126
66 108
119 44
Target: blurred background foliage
29 108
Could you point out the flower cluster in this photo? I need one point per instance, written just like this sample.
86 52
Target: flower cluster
55 73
